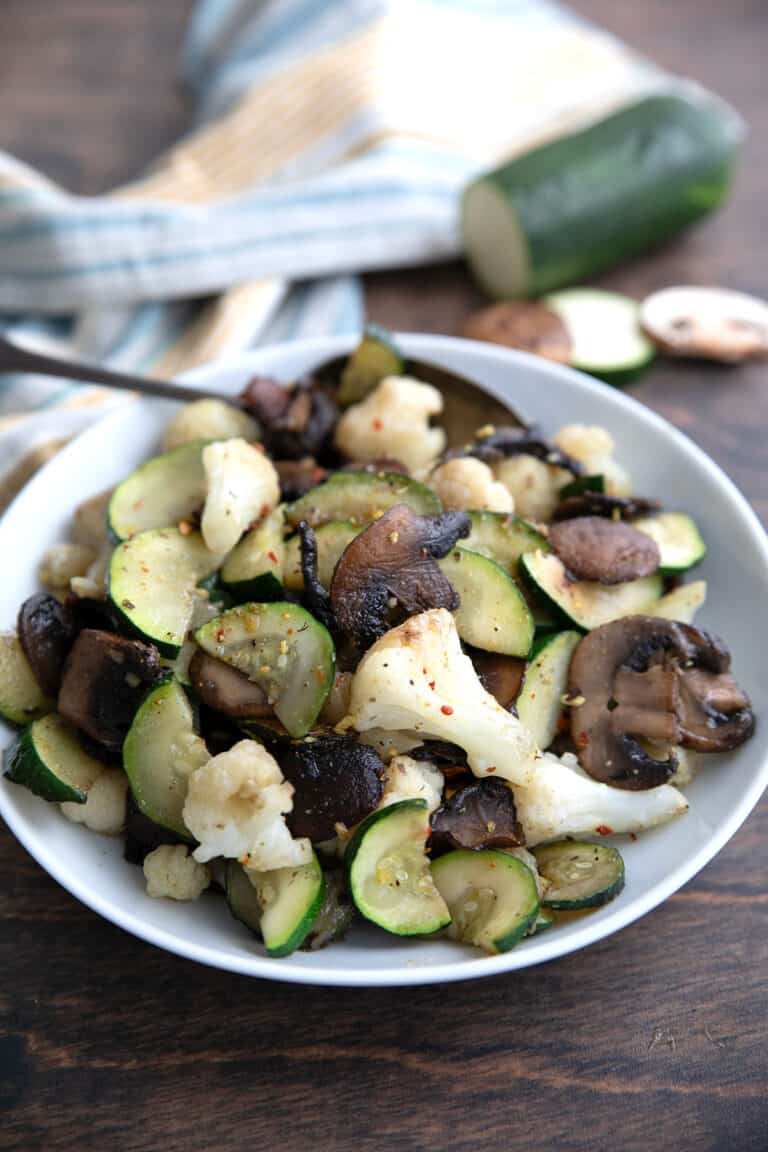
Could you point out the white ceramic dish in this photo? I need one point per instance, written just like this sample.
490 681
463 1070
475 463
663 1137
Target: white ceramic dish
663 462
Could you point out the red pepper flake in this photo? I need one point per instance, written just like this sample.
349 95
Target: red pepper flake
583 739
432 685
491 768
423 671
220 634
604 830
377 424
272 557
289 632
446 710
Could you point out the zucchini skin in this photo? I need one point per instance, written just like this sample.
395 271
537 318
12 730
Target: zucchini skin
590 200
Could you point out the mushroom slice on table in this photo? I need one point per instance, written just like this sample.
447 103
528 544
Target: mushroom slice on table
608 551
646 678
394 560
480 815
709 323
525 324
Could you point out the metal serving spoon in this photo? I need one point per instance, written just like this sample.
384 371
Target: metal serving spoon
466 405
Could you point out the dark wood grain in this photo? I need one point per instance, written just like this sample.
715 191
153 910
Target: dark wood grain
655 1038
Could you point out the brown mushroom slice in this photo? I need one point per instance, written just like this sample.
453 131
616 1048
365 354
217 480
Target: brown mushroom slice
297 477
480 815
499 443
715 713
394 560
296 421
502 676
524 324
47 630
106 677
226 690
607 551
598 504
708 323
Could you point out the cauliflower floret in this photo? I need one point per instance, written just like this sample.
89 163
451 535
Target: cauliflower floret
393 420
530 861
467 483
243 486
561 800
62 563
170 871
235 806
209 420
89 524
104 808
533 485
416 678
409 779
594 447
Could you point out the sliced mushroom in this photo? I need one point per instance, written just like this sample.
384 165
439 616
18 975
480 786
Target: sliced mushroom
598 504
499 675
296 421
315 597
499 443
480 815
47 630
608 551
394 560
105 680
225 689
646 678
709 323
298 476
524 324
449 758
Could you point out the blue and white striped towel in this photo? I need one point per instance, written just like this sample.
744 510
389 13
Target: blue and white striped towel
331 137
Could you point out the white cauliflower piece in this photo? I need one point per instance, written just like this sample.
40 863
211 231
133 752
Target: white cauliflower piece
89 523
531 863
562 800
104 808
466 484
171 872
409 779
533 484
594 447
62 563
393 420
243 486
235 807
416 678
208 420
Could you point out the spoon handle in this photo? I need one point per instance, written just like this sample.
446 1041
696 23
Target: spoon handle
13 358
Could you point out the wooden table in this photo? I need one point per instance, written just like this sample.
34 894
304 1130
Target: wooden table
654 1038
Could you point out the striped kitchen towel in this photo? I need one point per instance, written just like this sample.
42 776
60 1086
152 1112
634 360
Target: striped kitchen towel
330 137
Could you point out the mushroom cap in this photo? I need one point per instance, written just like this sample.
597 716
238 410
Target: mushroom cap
296 421
500 675
608 551
226 690
599 504
509 440
524 324
480 815
47 630
710 323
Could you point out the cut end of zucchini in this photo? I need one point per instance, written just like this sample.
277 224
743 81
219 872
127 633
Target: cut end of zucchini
50 761
678 538
361 497
493 614
503 538
540 703
491 895
21 698
290 900
583 603
605 331
579 875
376 357
494 241
681 604
162 492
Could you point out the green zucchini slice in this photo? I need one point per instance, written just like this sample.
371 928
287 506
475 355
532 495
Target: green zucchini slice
284 650
388 871
607 340
503 538
161 493
580 875
49 760
678 538
160 753
254 568
493 614
375 357
681 603
152 580
290 900
332 538
361 497
583 603
540 702
241 896
21 698
491 895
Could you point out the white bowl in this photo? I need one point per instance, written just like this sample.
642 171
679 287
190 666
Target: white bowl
663 463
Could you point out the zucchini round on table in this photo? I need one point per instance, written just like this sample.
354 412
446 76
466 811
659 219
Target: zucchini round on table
254 568
49 760
281 906
678 538
503 538
21 698
491 896
389 874
160 493
361 497
493 614
540 702
152 580
583 603
605 332
282 649
375 357
586 201
580 875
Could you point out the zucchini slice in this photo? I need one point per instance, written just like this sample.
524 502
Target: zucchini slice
290 900
540 702
607 340
388 871
491 895
254 568
152 580
583 603
241 896
361 497
21 698
493 614
49 759
161 493
544 920
284 650
580 875
375 357
160 753
332 538
503 538
682 603
679 540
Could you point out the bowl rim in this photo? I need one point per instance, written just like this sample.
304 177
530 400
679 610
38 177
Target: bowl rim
592 930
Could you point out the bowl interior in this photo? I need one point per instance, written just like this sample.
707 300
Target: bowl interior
663 463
